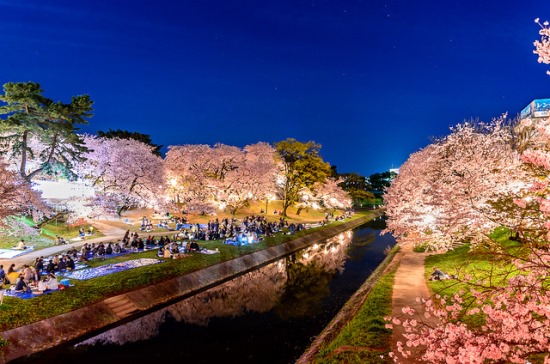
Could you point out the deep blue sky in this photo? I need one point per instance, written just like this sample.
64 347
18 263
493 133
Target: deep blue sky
371 81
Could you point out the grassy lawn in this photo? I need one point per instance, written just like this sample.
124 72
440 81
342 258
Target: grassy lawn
16 312
486 266
42 237
365 338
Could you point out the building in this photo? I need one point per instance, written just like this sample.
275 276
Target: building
539 108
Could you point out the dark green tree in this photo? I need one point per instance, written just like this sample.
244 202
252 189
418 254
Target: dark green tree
380 181
125 134
357 187
39 129
302 167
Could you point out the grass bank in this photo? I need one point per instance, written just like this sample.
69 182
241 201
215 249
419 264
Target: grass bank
365 338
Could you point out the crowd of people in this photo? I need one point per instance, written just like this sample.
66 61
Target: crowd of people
29 278
42 274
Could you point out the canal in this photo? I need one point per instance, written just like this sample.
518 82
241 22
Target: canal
270 315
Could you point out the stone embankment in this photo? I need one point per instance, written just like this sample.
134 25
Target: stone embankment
81 324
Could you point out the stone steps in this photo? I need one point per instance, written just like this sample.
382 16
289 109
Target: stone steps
121 306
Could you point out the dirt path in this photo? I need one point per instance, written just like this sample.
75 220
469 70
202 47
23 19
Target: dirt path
410 283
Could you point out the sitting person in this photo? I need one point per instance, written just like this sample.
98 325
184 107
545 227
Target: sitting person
438 275
70 263
194 246
167 253
20 285
21 245
117 249
53 284
42 285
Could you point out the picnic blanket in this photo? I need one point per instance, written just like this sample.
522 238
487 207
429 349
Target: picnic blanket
25 295
88 273
208 251
12 253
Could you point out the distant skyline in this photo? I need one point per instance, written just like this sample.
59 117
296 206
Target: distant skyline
371 81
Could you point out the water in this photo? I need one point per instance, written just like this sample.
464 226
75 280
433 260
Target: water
267 316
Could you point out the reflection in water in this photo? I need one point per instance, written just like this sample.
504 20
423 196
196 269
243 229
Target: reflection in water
300 282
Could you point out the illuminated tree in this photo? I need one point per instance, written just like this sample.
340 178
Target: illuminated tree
301 167
193 170
125 134
125 173
543 45
222 176
16 195
251 179
455 189
34 120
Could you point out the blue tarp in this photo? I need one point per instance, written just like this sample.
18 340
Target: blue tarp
25 295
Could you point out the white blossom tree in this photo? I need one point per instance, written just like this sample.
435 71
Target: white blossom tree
124 172
453 190
16 195
542 46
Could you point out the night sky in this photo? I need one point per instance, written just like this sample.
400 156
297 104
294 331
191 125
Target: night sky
371 81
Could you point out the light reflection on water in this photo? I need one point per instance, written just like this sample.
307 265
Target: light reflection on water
257 291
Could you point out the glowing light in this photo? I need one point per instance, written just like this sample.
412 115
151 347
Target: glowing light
63 189
428 219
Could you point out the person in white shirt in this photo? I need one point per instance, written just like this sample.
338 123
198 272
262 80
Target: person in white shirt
21 245
42 285
53 284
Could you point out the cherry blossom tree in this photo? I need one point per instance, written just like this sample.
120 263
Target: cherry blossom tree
328 195
222 176
512 192
542 46
450 191
191 171
16 195
125 173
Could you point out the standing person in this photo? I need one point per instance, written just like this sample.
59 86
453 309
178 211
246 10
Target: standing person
2 273
39 266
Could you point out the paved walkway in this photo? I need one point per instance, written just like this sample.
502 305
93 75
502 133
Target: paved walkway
410 283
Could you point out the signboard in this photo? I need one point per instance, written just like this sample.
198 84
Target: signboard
526 112
542 108
536 109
